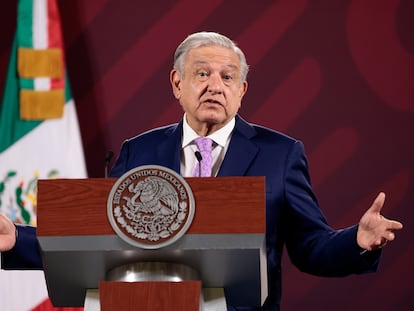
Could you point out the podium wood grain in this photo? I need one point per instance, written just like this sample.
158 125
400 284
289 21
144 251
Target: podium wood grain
222 204
150 296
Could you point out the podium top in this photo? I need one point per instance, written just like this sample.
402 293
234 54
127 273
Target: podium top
73 207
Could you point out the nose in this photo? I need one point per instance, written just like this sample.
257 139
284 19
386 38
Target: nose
215 84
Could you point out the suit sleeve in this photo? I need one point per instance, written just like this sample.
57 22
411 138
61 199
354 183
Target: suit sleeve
313 246
120 165
26 253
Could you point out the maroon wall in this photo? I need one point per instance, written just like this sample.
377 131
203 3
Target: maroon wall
338 75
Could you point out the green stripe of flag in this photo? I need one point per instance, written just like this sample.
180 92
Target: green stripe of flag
68 92
12 128
27 84
25 23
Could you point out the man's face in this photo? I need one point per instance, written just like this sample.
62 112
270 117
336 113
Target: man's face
210 89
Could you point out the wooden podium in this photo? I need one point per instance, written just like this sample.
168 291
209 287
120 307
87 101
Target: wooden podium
225 244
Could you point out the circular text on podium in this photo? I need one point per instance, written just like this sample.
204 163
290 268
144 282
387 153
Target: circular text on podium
150 206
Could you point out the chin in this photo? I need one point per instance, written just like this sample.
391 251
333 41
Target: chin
212 119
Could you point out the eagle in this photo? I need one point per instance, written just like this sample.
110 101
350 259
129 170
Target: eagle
153 195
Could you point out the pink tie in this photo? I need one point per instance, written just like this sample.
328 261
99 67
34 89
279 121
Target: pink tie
204 145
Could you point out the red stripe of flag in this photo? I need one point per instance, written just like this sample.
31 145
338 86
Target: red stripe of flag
54 27
46 305
55 37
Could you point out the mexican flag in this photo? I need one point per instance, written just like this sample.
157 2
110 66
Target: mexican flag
39 135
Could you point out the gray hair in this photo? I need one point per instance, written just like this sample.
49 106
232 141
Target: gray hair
204 38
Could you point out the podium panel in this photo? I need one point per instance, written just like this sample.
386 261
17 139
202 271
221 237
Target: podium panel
150 296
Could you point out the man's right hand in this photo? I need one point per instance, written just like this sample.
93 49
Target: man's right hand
7 234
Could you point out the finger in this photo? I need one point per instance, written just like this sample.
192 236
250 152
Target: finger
390 236
378 203
379 243
5 224
4 218
395 225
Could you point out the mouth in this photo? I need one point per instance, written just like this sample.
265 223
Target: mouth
212 102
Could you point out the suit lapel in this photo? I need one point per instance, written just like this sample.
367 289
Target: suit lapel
240 154
169 150
241 151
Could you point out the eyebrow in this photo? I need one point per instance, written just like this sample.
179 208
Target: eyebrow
231 66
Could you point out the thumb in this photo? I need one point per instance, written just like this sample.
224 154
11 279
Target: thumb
378 203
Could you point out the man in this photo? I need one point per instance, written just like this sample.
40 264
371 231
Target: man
209 80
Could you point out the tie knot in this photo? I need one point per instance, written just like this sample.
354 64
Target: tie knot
203 144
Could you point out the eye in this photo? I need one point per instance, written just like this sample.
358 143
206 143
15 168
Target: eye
227 77
202 74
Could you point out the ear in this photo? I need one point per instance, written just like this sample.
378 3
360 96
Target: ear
175 80
243 89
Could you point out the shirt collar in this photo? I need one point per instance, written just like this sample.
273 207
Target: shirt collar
220 137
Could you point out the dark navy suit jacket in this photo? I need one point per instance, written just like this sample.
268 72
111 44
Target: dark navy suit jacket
293 217
292 212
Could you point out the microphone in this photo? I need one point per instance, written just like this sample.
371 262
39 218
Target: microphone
108 157
199 158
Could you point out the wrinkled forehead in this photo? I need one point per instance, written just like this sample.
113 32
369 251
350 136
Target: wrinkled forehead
213 55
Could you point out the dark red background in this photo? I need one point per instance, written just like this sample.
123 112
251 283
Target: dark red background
338 75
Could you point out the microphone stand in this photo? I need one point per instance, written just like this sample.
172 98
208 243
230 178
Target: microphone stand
199 158
108 158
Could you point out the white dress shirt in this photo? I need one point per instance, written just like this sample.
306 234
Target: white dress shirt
220 138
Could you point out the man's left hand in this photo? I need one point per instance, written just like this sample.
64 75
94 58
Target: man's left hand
375 230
